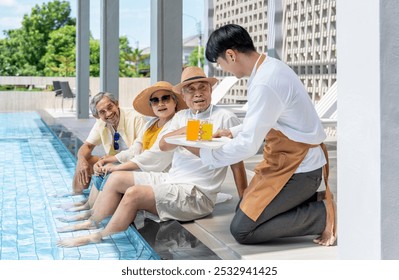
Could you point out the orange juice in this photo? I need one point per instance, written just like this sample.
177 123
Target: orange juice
206 131
192 131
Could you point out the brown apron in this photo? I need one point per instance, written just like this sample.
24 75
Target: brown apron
282 157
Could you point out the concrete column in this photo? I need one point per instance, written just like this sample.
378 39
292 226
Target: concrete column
166 40
82 58
109 47
275 28
368 117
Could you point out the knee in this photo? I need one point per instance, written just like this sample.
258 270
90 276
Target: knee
114 179
132 195
240 233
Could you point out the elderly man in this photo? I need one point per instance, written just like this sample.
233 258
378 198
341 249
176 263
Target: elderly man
115 128
187 192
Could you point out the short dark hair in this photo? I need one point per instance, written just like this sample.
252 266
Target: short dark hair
229 36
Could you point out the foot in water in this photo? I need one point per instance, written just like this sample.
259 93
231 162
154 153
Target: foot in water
329 235
89 224
68 206
79 217
81 240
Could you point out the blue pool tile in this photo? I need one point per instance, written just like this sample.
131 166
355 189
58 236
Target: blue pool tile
38 167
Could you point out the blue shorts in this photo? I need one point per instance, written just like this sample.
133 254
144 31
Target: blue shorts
99 181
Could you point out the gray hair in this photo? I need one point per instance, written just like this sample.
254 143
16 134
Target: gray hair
96 98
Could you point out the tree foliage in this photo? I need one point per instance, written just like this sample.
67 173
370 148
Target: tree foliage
59 59
45 45
26 46
193 58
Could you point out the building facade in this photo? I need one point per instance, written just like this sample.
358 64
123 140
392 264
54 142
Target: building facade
308 29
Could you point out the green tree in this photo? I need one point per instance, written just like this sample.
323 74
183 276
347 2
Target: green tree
193 58
27 45
94 58
46 45
59 59
131 60
125 51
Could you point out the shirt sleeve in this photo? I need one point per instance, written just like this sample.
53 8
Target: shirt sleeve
264 109
154 159
133 151
94 135
235 130
136 148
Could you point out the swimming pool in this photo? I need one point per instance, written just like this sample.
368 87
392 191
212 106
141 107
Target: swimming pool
34 166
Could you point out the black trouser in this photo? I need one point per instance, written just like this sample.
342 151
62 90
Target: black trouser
295 211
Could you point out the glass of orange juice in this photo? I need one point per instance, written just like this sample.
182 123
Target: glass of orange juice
206 131
192 131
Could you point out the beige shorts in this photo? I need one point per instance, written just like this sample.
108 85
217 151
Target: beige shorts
175 201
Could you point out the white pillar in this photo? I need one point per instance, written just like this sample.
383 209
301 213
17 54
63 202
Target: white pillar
368 117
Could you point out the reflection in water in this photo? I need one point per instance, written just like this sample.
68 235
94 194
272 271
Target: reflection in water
171 241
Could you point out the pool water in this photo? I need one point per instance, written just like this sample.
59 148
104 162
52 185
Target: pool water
35 168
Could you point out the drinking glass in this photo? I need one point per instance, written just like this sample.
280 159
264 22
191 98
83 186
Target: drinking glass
192 131
206 131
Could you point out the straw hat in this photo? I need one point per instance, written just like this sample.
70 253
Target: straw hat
193 74
141 102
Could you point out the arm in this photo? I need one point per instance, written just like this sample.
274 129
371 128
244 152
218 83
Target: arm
84 164
126 166
103 161
166 146
240 177
219 133
263 112
137 147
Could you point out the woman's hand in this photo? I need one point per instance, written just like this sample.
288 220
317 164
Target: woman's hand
98 166
109 168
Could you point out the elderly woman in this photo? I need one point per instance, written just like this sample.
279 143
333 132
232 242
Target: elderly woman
160 104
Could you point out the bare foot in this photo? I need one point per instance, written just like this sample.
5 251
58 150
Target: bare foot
79 217
81 240
67 206
85 206
89 224
329 235
64 194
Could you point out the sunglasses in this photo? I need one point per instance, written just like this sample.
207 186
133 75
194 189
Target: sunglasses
116 139
164 99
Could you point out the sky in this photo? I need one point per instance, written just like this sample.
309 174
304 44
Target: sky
134 17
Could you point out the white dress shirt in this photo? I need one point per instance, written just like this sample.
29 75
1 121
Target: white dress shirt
276 99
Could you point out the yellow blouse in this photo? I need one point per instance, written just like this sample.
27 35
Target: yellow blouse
150 135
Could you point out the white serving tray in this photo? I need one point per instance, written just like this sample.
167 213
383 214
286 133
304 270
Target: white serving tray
181 141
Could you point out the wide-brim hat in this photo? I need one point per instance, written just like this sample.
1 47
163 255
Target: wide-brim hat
142 101
193 74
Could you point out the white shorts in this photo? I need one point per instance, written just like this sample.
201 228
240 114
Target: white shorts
175 201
